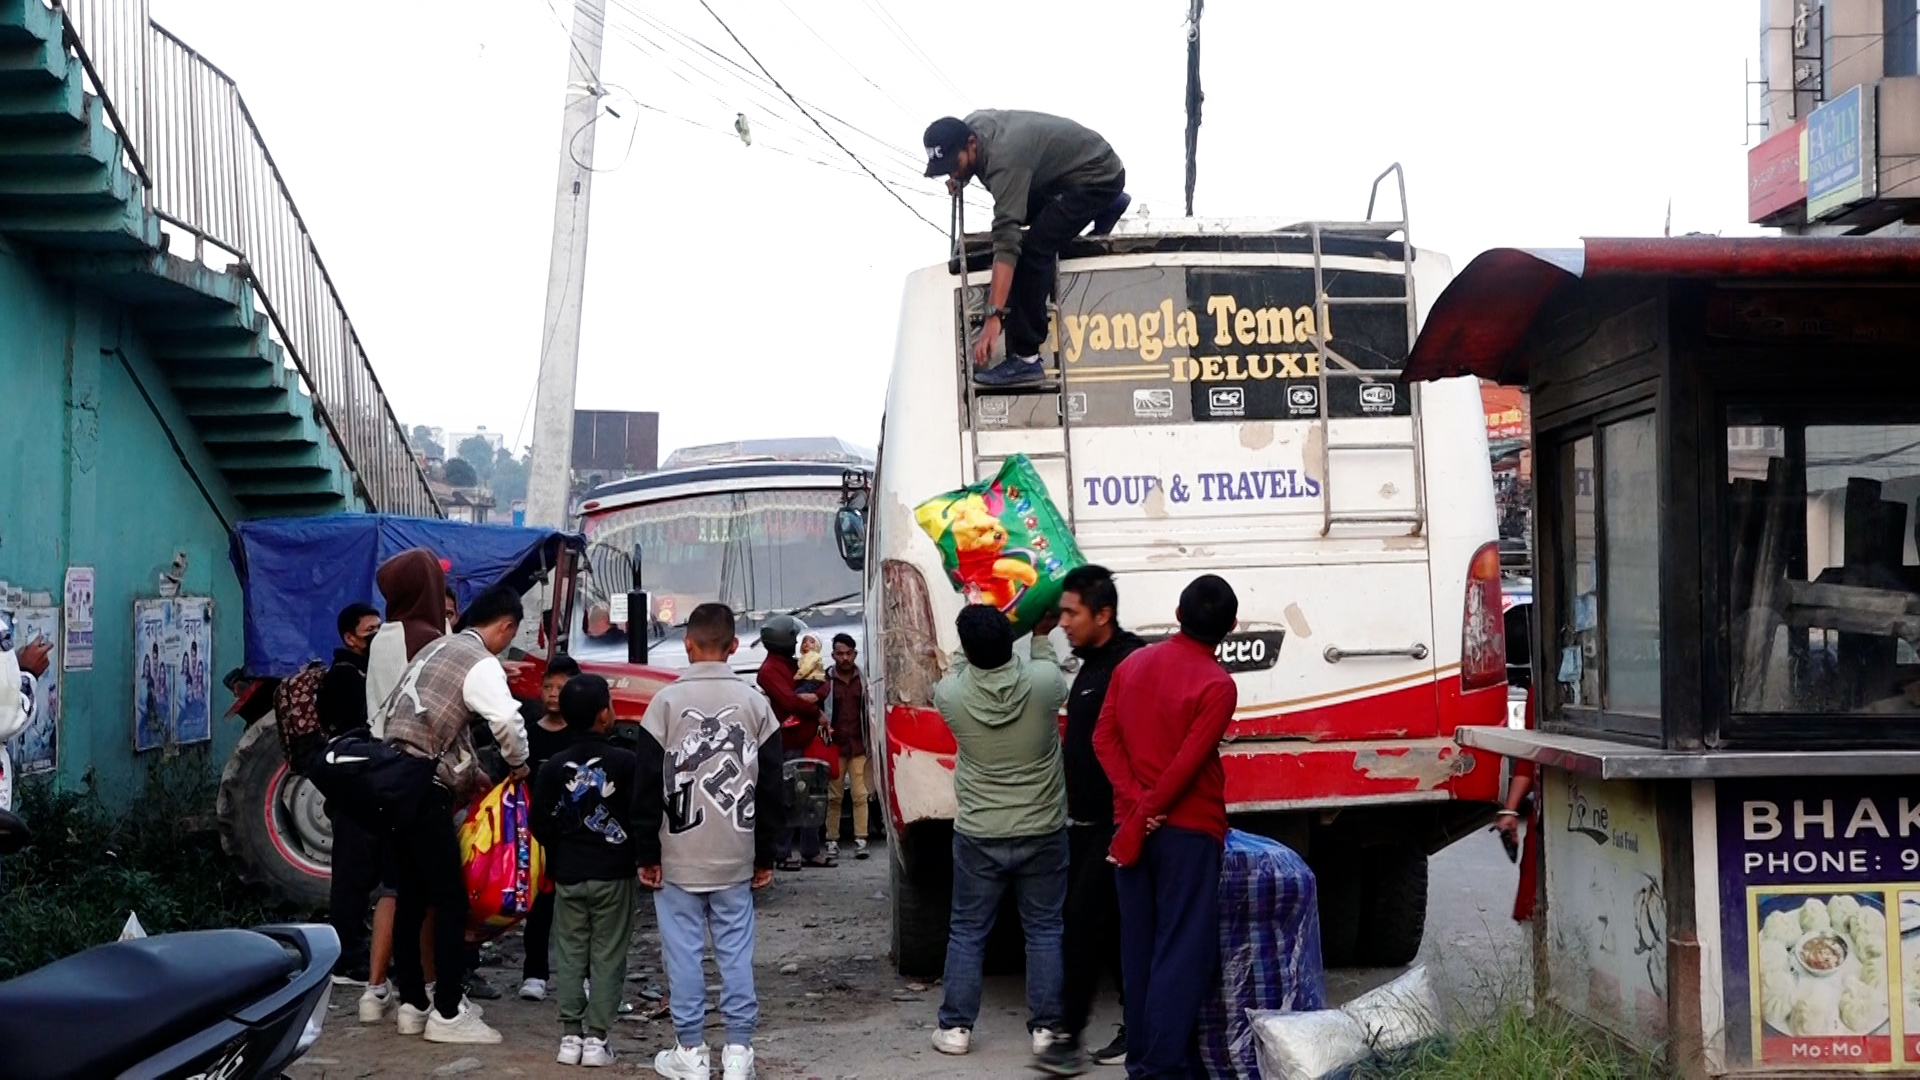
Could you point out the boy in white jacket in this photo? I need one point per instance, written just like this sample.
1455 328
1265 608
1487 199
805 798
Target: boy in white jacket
17 686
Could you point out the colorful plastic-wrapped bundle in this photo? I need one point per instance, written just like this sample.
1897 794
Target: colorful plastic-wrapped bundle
1269 950
1003 542
505 866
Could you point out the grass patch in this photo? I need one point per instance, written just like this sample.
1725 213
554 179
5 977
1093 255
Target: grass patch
1511 1044
87 868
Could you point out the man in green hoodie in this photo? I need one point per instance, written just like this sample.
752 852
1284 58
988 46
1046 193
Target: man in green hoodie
1010 828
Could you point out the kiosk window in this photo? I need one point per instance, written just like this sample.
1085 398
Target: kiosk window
1823 581
1609 601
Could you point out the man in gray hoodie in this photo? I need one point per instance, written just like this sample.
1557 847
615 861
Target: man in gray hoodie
1010 829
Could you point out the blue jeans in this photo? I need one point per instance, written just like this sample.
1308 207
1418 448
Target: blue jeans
685 918
1036 868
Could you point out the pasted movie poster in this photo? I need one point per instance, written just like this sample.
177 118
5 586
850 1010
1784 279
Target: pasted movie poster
78 654
173 652
1820 918
35 750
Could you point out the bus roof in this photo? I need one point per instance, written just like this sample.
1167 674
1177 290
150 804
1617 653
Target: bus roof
1249 235
706 479
824 450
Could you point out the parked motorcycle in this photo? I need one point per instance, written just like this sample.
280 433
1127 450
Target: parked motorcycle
199 1005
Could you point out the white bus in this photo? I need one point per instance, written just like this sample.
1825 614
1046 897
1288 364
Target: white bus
1224 399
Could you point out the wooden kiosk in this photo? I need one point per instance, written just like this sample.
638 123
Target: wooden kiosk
1726 638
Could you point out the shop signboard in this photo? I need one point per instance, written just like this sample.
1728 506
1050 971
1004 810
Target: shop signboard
1820 922
1607 924
1776 175
1841 163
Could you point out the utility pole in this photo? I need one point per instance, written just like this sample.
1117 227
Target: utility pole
550 475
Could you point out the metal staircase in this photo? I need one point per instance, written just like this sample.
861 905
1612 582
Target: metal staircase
971 303
1334 366
259 355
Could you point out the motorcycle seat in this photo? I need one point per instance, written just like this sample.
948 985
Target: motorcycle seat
101 1011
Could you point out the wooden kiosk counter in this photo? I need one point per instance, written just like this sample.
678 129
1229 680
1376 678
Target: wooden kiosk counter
1726 636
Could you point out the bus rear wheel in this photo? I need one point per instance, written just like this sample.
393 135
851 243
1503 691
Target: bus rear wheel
273 822
1393 909
921 906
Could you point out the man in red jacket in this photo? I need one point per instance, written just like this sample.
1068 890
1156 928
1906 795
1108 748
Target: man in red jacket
1158 739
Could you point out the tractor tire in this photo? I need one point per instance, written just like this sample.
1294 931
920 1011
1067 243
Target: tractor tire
1393 909
1339 886
920 911
273 822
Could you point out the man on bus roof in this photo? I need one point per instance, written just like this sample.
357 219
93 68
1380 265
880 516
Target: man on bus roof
1047 173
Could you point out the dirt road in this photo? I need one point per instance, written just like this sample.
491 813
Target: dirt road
831 1006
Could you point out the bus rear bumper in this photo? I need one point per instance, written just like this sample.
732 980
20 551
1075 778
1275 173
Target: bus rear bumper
1291 775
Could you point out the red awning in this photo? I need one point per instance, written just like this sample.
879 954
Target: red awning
1479 325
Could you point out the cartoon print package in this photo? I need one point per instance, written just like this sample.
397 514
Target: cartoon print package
1003 542
504 864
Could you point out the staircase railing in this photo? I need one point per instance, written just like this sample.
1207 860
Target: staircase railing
208 173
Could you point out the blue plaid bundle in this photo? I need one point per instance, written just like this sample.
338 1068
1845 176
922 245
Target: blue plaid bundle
1269 949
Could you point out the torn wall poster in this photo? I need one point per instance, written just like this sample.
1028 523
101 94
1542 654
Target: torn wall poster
78 654
173 651
34 749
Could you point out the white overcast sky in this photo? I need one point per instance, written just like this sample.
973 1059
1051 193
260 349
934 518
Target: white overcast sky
744 292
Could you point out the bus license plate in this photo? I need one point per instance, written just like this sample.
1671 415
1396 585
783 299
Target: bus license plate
1251 651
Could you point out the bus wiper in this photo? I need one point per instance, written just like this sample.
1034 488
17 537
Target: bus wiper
818 604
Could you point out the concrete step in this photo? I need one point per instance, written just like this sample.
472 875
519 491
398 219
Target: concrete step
23 21
306 458
231 380
53 108
33 65
61 150
125 227
170 324
297 505
228 410
282 429
98 188
248 487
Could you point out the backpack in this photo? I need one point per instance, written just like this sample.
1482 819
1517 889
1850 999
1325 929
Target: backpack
372 781
296 706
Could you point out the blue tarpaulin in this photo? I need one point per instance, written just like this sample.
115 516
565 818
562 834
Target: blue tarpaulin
1269 950
298 573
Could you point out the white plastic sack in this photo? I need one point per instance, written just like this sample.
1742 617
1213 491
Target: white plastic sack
1400 1014
133 931
1313 1045
1306 1045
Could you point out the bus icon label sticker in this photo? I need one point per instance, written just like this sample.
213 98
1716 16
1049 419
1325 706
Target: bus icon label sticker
1155 403
1227 401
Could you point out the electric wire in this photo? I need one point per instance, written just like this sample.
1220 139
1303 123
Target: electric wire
913 48
796 104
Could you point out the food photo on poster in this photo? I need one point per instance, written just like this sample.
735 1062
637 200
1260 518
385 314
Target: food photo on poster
1815 875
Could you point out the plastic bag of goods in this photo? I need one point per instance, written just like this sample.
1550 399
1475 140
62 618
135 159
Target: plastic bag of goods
1325 1043
1269 950
1003 542
504 865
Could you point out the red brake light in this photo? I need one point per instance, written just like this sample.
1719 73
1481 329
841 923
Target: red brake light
909 645
1483 633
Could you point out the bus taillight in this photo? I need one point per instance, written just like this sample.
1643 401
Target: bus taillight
1483 636
908 641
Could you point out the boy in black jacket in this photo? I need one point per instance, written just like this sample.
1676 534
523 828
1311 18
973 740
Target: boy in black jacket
583 815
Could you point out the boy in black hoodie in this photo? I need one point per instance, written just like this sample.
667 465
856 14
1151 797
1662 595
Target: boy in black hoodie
583 815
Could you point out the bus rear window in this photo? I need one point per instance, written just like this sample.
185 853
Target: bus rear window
1176 344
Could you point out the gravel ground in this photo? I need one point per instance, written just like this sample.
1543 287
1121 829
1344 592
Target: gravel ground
831 1006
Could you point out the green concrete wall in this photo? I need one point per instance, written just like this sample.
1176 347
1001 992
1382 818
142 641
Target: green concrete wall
101 470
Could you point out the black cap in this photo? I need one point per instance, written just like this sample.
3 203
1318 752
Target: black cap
945 138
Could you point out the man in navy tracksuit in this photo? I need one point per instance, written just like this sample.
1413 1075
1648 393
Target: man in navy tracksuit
1159 734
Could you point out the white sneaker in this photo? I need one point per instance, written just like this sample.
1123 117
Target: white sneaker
1043 1040
411 1021
681 1063
860 849
569 1050
736 1063
533 990
374 1001
833 848
466 1027
595 1053
953 1040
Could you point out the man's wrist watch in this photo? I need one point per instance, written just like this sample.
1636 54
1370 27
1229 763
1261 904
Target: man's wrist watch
1001 313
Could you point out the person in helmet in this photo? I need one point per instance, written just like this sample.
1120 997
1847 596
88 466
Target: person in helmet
799 716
